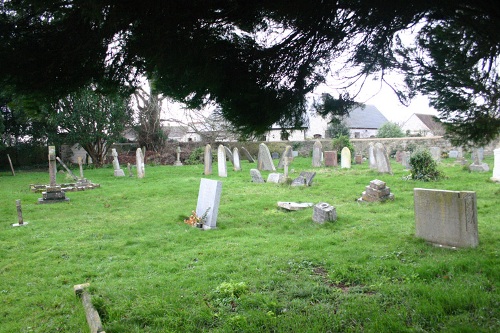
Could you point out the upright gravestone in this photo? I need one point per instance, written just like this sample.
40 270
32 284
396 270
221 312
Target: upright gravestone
116 165
207 160
236 160
139 162
405 160
371 156
221 161
446 218
358 159
477 155
382 159
178 153
256 176
286 154
316 155
331 158
265 162
53 192
398 156
435 153
129 167
229 155
20 220
248 155
478 164
496 165
453 154
345 158
208 202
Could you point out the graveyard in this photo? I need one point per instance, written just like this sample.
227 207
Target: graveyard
262 269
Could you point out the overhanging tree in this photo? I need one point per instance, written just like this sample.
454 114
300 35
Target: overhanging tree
92 119
258 59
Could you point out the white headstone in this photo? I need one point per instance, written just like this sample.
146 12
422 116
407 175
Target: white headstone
382 158
221 161
236 159
116 165
435 153
316 155
208 202
207 160
345 158
275 178
139 161
496 166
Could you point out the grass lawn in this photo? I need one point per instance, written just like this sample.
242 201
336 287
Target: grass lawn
262 270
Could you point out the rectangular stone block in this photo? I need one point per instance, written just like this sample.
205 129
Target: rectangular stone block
54 195
208 202
447 218
330 158
377 184
377 193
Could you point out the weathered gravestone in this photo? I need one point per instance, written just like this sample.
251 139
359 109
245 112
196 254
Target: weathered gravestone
275 178
446 218
116 164
376 191
304 179
478 164
208 202
265 162
405 160
256 176
229 155
139 162
358 159
20 220
477 154
398 156
221 161
324 212
435 153
496 165
345 158
207 160
248 155
331 158
316 154
371 156
236 160
286 154
70 173
275 156
129 168
453 154
53 192
178 153
382 159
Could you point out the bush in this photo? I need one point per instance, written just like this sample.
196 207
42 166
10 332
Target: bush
196 156
340 142
390 130
424 167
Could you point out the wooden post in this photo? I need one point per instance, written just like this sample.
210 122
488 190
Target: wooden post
11 167
19 212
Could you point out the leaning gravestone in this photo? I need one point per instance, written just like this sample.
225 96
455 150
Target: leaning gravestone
275 178
496 165
324 212
371 156
446 218
53 192
287 153
207 160
435 153
304 179
248 155
116 165
345 158
70 173
208 202
316 155
382 159
139 162
265 162
299 181
236 160
256 176
331 158
221 161
229 155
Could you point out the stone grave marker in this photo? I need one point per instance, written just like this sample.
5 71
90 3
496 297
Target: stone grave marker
398 156
265 162
299 181
275 156
453 154
53 192
208 202
70 173
294 205
405 160
446 218
236 160
345 158
331 158
229 155
256 176
316 154
496 165
20 220
436 153
11 166
382 159
478 165
221 161
207 160
376 191
116 164
80 165
286 154
304 179
276 178
248 155
477 154
129 167
371 156
178 152
358 159
139 162
324 212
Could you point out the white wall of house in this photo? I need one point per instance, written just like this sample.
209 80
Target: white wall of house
190 137
416 126
363 133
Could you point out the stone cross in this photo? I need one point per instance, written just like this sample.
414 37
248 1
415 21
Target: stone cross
207 160
139 160
316 155
80 164
221 161
236 160
345 158
286 154
116 164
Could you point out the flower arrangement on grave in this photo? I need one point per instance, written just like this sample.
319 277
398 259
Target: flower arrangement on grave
195 220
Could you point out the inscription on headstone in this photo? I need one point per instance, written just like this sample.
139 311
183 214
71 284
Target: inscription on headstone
208 202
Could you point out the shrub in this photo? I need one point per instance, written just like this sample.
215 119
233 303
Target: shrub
340 142
390 130
196 156
424 167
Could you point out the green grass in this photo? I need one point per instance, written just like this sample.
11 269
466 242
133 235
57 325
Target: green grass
262 270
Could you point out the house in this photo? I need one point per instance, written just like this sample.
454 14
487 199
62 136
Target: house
276 134
363 122
420 124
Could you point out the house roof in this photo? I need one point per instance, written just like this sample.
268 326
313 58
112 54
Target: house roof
367 117
432 123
